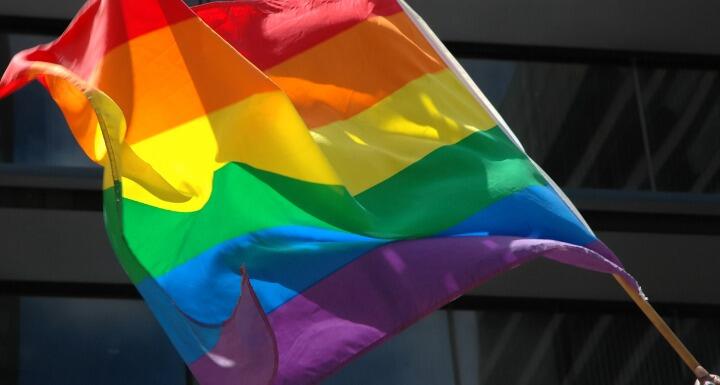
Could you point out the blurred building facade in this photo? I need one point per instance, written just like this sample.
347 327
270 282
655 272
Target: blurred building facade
619 101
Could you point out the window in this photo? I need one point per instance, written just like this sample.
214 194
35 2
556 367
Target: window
682 110
84 341
33 131
614 126
522 347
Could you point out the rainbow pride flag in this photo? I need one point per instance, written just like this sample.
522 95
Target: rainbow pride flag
291 182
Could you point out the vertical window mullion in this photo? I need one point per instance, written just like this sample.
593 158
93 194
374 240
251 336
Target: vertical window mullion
643 126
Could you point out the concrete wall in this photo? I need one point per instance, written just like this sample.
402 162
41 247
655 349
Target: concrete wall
55 9
654 25
56 246
71 246
670 268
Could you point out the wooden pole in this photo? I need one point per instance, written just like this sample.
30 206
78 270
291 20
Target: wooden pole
664 330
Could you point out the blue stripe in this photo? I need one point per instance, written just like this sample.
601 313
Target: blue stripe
535 212
281 262
285 261
190 339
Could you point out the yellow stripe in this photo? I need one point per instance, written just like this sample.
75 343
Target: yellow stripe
173 170
429 112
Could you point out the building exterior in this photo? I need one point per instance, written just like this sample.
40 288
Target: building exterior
619 101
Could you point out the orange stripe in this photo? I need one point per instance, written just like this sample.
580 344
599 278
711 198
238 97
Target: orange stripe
76 108
355 69
176 74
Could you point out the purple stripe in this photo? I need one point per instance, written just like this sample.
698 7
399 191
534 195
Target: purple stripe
366 302
390 288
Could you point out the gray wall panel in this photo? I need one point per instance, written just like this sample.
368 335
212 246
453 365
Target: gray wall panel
644 25
655 25
71 246
56 9
671 268
56 246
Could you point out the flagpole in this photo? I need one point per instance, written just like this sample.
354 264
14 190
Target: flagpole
664 329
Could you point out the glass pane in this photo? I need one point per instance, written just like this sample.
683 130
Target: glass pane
9 326
580 122
41 136
420 355
63 341
33 128
683 117
584 348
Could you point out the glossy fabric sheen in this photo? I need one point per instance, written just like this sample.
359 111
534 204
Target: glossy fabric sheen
290 182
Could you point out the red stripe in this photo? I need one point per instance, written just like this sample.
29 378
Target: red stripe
104 25
268 35
100 26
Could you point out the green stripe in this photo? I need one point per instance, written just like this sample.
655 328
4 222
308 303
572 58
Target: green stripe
113 226
451 184
240 203
440 190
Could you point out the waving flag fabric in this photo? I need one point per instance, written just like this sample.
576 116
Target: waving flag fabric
289 183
